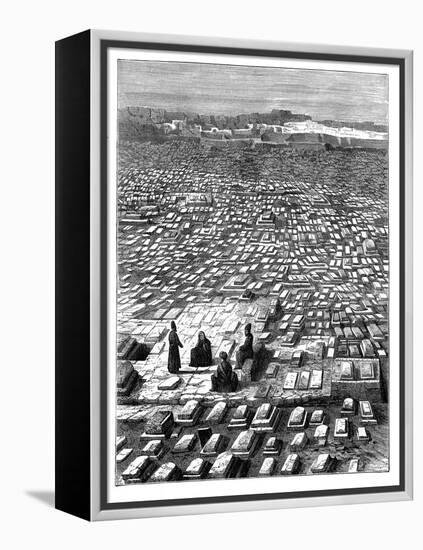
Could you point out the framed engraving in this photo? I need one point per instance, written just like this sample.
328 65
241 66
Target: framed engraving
234 282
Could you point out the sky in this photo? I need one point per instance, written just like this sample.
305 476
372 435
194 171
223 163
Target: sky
231 90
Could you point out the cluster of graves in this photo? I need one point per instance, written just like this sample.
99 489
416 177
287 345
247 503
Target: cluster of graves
222 442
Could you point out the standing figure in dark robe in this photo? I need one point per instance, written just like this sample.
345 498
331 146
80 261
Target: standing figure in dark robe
174 361
225 380
245 351
201 355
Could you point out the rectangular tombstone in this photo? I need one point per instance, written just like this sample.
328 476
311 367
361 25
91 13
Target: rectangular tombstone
217 413
299 441
225 465
266 418
304 380
272 446
268 466
316 380
347 372
213 446
244 444
321 464
341 428
190 413
353 465
290 380
123 455
262 391
160 425
185 444
170 383
366 413
197 469
272 370
291 464
153 448
297 418
317 417
362 434
366 370
348 407
166 472
321 435
240 418
137 468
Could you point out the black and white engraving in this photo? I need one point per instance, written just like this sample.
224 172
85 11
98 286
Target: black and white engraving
253 272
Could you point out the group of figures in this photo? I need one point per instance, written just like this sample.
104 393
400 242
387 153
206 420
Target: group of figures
225 379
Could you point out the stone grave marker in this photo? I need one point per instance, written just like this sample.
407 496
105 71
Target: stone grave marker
272 370
262 391
166 472
353 465
272 446
185 444
240 418
137 468
213 446
347 372
366 413
226 465
317 417
197 469
304 380
297 419
190 413
153 448
366 370
348 407
341 428
321 464
299 441
291 464
321 435
290 380
245 444
316 379
268 466
217 413
362 434
266 418
170 383
120 442
159 426
123 455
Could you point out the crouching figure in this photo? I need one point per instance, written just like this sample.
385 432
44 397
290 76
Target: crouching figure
225 380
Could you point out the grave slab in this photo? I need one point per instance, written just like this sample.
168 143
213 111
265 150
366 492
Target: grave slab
166 472
217 413
185 444
214 445
268 467
170 383
297 419
245 444
291 465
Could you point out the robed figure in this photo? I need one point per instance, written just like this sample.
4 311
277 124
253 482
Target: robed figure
201 354
245 351
174 361
225 380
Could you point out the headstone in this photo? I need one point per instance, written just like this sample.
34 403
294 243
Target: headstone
166 472
240 418
123 372
213 446
316 380
272 370
266 418
321 435
268 466
297 418
317 417
217 413
159 426
291 464
137 468
123 455
272 446
153 448
170 383
197 469
226 465
348 407
204 434
190 413
245 444
120 442
366 370
262 391
185 444
290 380
341 428
347 372
299 441
354 465
366 413
321 464
362 434
304 380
